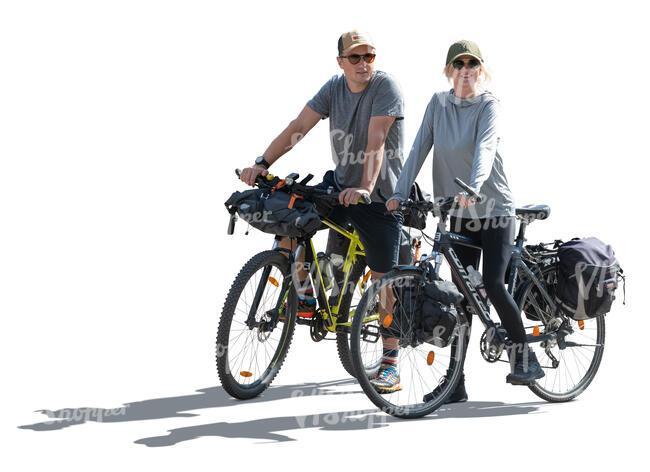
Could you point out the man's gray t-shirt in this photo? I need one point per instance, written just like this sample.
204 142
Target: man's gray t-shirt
349 115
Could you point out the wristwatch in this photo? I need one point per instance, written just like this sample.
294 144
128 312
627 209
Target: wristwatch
263 162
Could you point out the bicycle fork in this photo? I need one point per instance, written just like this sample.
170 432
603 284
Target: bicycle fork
279 306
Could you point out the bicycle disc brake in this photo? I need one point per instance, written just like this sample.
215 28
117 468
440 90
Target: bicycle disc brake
264 328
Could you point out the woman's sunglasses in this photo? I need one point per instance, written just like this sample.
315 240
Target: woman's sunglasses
355 58
472 64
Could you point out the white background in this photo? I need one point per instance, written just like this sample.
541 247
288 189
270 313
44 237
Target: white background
121 123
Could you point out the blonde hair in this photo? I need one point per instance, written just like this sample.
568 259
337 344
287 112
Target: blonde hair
484 75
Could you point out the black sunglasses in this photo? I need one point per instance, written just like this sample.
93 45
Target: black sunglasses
355 58
472 64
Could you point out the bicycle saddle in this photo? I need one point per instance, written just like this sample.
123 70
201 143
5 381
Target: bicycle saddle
533 212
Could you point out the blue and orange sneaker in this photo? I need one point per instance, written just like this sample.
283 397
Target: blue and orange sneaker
306 307
387 379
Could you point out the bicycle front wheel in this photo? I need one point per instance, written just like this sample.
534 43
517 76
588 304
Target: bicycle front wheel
568 369
250 351
425 370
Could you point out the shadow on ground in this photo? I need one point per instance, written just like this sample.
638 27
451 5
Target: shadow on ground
267 429
177 407
271 429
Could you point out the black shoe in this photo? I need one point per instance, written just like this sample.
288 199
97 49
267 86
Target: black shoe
526 369
460 394
457 396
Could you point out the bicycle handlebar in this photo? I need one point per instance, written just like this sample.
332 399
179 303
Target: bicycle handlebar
443 204
477 198
289 183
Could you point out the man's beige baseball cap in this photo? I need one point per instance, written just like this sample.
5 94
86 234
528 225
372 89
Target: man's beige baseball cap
352 39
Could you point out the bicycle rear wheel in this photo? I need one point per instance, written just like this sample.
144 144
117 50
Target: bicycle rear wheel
422 366
349 305
568 370
249 355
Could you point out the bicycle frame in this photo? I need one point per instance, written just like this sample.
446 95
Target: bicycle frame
355 248
330 313
443 245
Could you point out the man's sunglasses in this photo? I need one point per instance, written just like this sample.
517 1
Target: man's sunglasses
355 58
472 64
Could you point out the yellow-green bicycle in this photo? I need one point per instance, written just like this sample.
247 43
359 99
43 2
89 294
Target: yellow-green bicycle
260 312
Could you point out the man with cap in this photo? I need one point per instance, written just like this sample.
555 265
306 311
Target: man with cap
366 109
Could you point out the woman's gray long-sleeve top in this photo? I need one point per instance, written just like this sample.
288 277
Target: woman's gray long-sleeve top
464 135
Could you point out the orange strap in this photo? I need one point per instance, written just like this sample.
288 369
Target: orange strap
279 185
293 199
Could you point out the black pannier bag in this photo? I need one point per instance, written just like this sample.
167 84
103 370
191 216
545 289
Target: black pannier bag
275 213
587 278
429 311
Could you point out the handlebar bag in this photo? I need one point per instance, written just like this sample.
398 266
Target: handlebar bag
587 278
416 218
275 212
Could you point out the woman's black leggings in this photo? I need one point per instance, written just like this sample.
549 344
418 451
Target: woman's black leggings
496 235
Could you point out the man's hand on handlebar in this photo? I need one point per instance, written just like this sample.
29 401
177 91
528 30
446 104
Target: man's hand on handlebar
352 196
249 174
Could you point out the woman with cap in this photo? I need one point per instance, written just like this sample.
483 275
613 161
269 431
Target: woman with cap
462 127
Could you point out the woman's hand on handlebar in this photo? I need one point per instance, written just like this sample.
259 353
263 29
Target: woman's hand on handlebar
392 205
352 195
463 200
249 174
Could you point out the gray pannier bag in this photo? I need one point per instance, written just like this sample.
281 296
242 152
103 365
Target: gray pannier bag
587 276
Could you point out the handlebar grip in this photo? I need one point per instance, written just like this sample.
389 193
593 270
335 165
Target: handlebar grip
259 179
468 189
231 223
365 199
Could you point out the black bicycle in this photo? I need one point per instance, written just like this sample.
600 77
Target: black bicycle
569 351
